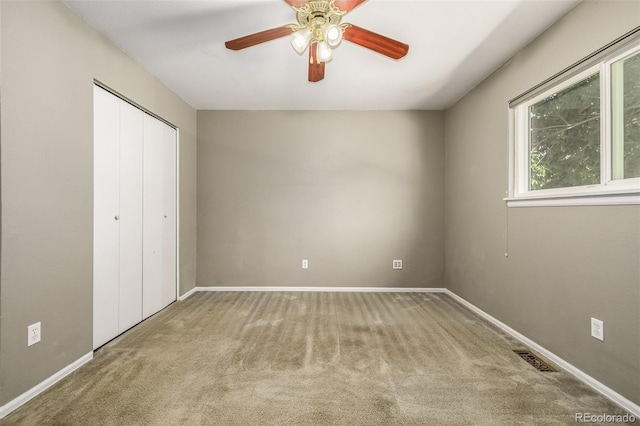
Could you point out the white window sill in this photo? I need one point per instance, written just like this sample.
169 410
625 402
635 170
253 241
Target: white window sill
601 199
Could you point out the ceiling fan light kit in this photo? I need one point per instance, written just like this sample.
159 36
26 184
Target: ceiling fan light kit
333 35
320 30
319 23
324 52
300 40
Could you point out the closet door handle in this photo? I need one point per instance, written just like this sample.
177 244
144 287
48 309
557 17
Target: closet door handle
165 216
117 217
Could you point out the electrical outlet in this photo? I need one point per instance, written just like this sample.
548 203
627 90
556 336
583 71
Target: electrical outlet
305 264
397 264
33 334
597 329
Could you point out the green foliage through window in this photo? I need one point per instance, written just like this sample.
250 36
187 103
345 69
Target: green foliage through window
626 117
565 137
577 135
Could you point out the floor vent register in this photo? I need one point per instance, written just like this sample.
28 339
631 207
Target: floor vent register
533 359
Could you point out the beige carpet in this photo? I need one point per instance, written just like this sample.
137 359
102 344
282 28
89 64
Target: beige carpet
312 358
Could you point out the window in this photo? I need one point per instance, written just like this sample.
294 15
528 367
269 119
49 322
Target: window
578 141
625 124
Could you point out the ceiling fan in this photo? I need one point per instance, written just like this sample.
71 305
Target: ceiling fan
319 28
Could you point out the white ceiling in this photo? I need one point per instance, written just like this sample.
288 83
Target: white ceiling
453 45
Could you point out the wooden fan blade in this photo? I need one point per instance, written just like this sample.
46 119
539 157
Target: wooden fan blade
257 38
316 68
376 42
296 3
347 5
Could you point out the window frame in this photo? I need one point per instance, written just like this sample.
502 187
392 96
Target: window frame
608 190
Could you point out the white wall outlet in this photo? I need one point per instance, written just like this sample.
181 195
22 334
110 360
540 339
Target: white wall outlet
33 334
397 264
597 329
305 264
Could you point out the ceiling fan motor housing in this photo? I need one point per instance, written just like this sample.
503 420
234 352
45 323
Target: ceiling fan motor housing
319 29
316 16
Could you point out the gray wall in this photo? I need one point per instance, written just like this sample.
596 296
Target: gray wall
565 264
49 60
274 188
350 191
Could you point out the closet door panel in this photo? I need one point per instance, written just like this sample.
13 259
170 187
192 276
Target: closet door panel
134 216
131 152
152 217
169 228
106 245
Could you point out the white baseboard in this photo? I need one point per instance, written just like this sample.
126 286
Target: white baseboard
318 289
614 396
189 293
623 402
42 386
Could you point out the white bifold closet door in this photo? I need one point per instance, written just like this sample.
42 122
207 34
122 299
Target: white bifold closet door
159 223
134 216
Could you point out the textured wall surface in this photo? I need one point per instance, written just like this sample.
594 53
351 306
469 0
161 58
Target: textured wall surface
50 58
565 264
349 191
